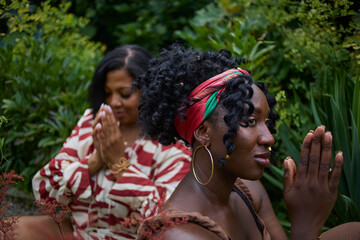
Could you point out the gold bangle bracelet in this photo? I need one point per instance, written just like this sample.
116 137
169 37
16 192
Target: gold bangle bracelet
122 165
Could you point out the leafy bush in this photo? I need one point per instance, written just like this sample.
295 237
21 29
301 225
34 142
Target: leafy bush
3 121
211 29
46 69
150 24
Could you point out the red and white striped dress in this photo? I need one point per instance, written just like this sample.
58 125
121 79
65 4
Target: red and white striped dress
100 203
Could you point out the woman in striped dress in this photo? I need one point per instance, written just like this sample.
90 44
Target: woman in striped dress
110 177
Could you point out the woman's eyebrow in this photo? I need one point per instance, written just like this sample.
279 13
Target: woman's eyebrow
259 111
119 88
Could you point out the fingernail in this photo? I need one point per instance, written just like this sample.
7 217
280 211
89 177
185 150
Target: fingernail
287 158
118 123
311 131
98 125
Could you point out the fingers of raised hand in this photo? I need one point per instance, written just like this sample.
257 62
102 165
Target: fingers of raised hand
336 172
304 155
315 153
108 118
97 128
325 158
108 131
111 116
95 135
97 117
289 173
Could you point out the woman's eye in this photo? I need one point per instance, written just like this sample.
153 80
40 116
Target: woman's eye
126 92
125 96
252 121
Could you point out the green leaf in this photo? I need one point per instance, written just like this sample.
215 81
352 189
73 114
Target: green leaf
355 165
356 104
293 149
341 136
276 182
314 111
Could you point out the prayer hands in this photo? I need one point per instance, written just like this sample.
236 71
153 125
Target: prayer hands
107 136
310 191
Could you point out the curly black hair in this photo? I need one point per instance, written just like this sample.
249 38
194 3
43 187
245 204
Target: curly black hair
130 57
175 73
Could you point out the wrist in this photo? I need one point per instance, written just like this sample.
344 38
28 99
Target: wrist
304 233
94 164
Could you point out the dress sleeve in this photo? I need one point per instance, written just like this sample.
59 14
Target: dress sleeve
154 173
68 171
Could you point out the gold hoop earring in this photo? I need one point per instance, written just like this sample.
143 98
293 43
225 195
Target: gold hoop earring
193 165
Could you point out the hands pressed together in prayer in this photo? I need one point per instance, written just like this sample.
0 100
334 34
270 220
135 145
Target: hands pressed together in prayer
310 191
108 141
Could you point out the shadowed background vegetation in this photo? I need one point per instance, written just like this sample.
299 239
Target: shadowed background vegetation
307 52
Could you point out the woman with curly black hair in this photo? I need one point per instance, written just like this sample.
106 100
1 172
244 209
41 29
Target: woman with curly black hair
228 119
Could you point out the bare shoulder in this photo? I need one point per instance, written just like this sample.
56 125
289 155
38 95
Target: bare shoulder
253 185
188 231
257 192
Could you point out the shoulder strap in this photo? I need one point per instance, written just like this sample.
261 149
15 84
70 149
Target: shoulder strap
248 204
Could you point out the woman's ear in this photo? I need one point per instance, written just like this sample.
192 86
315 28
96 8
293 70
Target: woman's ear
201 134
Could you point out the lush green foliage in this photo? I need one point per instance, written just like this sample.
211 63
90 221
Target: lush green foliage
3 121
46 67
212 30
150 24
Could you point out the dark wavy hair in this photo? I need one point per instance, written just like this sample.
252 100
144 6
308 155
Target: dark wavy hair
175 73
131 58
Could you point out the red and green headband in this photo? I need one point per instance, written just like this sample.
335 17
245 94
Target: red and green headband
203 101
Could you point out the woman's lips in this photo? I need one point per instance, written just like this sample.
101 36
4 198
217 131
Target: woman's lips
120 114
263 159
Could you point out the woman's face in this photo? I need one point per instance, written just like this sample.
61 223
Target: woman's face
251 153
122 99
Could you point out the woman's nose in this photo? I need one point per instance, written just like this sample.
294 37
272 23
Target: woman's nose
116 101
265 136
